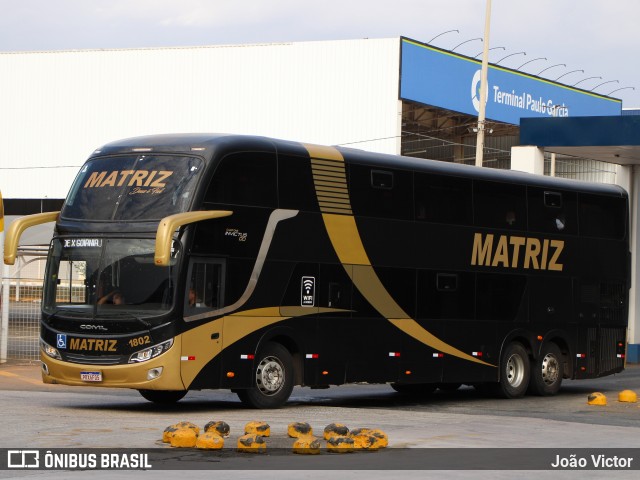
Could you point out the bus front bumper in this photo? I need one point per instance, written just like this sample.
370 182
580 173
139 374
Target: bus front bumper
161 373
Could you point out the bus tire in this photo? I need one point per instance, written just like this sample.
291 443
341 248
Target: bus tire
515 372
163 397
546 373
416 389
272 378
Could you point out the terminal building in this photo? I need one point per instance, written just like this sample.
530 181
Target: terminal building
395 95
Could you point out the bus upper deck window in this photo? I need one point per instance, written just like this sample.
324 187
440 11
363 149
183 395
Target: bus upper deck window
446 282
381 179
553 199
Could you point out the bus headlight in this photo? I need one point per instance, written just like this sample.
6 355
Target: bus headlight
151 352
49 350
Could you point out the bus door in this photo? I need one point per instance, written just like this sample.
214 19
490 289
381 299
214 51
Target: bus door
202 344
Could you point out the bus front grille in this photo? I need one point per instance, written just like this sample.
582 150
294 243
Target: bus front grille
94 359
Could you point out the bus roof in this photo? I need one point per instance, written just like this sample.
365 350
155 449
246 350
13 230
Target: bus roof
206 144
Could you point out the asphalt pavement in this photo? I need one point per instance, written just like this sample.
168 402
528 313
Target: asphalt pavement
446 427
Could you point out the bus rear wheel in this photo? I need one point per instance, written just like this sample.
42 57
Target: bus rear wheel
546 375
515 371
163 397
272 378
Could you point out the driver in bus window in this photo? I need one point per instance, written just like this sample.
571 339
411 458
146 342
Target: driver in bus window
115 297
192 298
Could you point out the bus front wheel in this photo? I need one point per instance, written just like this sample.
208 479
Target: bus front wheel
163 397
515 371
272 378
546 375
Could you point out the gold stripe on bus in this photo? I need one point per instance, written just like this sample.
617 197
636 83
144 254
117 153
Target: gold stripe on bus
231 329
326 163
323 152
338 211
329 175
338 190
323 184
326 166
336 206
345 238
341 207
335 202
343 195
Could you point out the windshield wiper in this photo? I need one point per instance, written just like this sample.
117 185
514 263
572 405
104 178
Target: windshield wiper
65 311
132 317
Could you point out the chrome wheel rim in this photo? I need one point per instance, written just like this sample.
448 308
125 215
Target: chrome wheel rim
515 370
550 369
270 376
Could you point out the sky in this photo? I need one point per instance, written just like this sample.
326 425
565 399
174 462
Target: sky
597 38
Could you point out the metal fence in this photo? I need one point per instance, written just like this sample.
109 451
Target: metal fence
25 295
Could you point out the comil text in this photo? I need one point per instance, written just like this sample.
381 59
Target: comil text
129 178
517 252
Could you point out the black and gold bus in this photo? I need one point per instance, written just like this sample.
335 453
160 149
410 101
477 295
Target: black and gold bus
188 262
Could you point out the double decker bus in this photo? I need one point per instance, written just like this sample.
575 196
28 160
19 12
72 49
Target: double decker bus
188 262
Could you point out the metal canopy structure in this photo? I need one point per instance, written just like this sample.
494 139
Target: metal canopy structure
612 139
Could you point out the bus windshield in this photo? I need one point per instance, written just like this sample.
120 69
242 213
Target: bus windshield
133 187
103 277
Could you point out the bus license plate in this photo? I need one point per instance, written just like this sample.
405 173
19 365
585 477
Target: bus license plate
91 376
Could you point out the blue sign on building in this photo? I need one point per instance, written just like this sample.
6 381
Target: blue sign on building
444 79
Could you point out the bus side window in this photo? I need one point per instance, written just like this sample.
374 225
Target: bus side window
499 205
602 216
205 289
381 193
445 295
443 199
336 295
552 211
247 178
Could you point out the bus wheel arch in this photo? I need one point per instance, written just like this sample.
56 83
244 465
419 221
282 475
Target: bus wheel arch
272 378
287 338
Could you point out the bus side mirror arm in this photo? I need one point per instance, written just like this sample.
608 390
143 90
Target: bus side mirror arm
16 229
168 225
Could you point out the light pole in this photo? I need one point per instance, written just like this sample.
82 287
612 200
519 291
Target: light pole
618 89
466 41
483 87
440 34
584 80
539 58
572 71
604 83
548 68
511 55
492 48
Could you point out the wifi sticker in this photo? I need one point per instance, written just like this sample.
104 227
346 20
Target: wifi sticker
308 292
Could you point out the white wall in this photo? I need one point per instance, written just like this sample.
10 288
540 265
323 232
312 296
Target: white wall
57 107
